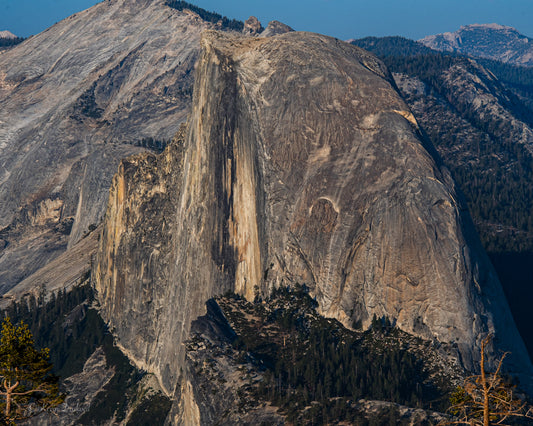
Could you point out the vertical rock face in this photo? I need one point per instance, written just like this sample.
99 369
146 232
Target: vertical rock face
301 164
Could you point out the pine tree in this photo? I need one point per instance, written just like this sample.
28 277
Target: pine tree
26 383
487 399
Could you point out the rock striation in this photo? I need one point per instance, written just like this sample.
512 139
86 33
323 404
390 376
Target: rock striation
74 100
300 163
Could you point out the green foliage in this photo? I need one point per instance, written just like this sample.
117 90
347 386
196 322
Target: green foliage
152 144
230 24
87 105
314 368
392 46
73 331
66 324
517 76
26 384
488 398
458 397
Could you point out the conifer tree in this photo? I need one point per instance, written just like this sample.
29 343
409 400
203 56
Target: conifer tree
27 386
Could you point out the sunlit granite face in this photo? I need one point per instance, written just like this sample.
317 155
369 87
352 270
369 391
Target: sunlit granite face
300 163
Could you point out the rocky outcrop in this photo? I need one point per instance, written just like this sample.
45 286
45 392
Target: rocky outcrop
81 390
491 41
69 268
275 28
301 163
252 26
136 259
74 101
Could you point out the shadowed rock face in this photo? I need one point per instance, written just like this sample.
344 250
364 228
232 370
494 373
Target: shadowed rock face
301 164
74 100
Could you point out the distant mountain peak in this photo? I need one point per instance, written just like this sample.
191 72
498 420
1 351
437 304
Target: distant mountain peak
493 41
7 34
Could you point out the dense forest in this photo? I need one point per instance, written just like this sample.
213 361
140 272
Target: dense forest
311 361
215 18
8 42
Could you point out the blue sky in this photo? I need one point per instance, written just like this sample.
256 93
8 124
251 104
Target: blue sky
340 18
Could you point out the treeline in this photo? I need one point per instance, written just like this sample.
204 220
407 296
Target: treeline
508 73
392 46
398 47
157 145
65 324
430 67
315 362
8 42
518 79
213 17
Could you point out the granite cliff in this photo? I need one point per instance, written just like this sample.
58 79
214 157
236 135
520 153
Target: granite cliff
75 100
479 118
300 163
96 87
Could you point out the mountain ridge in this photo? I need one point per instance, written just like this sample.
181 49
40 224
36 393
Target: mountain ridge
477 128
299 162
100 82
491 41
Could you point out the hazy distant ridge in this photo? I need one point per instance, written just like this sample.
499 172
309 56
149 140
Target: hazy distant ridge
491 41
7 34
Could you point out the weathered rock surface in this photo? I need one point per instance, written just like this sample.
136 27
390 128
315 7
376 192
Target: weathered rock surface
70 268
301 163
252 26
81 389
491 41
275 28
213 390
74 100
